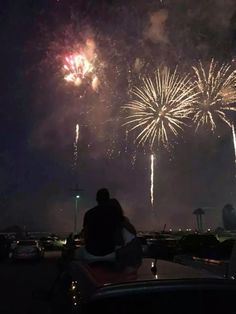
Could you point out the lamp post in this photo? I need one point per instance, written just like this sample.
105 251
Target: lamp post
76 214
76 192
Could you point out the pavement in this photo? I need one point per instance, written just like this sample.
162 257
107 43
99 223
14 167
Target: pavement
24 285
216 267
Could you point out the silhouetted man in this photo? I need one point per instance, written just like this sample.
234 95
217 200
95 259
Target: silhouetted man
100 225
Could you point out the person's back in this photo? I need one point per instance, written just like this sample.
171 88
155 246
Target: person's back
100 225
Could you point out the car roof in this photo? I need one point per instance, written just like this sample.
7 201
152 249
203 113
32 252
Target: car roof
164 270
94 278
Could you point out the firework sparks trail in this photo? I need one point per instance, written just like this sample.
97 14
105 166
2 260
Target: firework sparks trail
217 94
158 110
126 141
77 134
159 107
152 180
234 142
133 161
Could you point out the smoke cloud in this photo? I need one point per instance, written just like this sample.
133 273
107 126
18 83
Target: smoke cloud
128 40
156 30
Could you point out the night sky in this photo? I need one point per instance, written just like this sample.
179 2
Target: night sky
39 111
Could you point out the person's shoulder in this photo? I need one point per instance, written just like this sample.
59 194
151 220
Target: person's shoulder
91 211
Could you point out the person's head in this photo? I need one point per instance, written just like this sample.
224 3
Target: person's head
102 196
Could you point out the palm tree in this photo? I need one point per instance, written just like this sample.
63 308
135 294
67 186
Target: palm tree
199 212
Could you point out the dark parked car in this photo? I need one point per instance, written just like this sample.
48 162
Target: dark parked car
163 246
28 250
216 259
50 242
4 247
72 242
224 249
196 244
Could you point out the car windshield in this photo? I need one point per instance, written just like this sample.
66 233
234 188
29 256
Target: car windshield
117 146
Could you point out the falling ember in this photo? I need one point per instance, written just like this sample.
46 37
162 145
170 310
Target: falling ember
133 161
77 133
234 142
152 180
95 83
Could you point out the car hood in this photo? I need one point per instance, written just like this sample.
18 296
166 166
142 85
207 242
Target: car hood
152 272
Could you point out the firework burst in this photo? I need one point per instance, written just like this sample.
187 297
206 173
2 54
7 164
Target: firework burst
77 67
158 110
216 87
80 66
159 107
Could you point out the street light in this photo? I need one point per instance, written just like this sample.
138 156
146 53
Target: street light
76 213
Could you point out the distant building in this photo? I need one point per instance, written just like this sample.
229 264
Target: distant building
229 217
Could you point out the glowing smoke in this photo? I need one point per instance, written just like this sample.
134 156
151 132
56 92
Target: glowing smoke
156 31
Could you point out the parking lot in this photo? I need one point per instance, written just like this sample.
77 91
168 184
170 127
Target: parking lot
24 285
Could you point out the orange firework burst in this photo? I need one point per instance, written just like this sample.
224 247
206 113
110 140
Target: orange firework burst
77 67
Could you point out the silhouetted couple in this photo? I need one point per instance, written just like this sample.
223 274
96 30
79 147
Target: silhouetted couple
108 235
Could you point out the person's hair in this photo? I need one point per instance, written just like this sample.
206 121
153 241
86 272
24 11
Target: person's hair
116 205
103 195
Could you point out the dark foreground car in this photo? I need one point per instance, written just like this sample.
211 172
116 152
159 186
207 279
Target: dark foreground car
157 287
